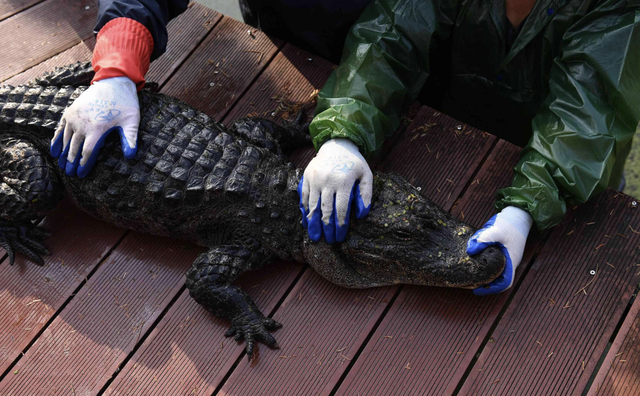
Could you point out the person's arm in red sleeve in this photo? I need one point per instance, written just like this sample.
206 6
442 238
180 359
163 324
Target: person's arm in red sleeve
130 34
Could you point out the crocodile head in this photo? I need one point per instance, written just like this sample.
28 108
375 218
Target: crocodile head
405 239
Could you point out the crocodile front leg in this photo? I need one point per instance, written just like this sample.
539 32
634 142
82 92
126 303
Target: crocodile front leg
209 283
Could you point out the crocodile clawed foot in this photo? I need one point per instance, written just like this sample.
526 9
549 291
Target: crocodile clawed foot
25 238
256 329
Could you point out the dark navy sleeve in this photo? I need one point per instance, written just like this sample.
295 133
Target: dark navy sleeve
153 14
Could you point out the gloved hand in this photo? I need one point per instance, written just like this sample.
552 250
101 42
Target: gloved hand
106 106
508 230
337 178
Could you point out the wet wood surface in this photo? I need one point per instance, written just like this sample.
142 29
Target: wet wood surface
109 313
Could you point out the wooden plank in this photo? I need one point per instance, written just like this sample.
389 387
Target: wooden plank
187 352
554 332
477 204
185 33
289 84
439 155
90 338
43 31
618 375
222 68
78 53
332 321
425 337
324 326
31 295
12 7
430 335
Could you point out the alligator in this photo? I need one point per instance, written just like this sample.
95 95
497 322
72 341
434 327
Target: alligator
231 190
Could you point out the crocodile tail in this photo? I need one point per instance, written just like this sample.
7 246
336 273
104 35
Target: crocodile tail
75 75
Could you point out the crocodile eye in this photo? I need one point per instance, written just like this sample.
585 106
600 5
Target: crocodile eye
403 234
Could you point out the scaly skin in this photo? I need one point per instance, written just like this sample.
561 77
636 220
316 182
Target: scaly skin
230 190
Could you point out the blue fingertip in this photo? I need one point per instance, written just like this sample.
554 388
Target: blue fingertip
129 152
72 167
498 285
475 247
315 224
305 222
84 170
330 229
56 146
361 210
502 282
62 162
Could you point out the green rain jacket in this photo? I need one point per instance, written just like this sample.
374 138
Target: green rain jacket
569 84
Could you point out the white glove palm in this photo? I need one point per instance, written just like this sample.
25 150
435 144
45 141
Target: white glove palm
335 178
508 230
108 105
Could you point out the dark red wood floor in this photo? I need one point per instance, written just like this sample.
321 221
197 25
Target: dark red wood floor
109 313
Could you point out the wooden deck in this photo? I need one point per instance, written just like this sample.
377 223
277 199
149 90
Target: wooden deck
109 313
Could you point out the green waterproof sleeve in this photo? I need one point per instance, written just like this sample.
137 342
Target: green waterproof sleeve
384 65
583 131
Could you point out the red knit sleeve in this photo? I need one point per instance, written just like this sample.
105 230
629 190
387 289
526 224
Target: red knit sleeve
123 49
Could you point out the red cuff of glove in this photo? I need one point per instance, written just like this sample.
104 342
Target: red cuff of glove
123 49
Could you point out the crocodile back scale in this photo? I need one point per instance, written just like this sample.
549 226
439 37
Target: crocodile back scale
186 164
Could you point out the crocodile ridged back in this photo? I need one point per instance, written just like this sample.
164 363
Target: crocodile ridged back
182 153
184 160
76 74
36 105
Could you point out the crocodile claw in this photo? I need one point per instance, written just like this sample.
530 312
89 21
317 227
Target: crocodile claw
23 238
255 330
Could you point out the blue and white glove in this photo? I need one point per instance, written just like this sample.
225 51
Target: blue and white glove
508 230
106 106
334 181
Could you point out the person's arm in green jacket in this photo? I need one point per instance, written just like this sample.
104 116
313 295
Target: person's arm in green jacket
583 131
384 65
